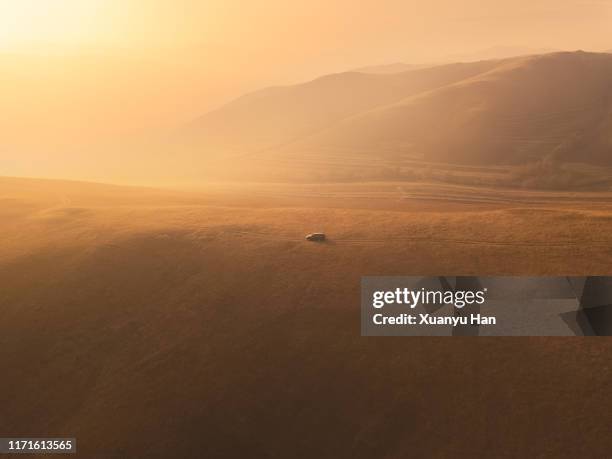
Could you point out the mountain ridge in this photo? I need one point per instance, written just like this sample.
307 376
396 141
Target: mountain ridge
463 114
555 106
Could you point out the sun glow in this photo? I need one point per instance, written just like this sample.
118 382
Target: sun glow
26 23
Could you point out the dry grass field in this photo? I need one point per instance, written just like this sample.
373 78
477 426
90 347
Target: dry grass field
200 323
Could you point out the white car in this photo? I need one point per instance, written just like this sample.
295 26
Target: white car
316 237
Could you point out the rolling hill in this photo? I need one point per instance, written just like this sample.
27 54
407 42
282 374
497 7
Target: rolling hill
522 110
275 116
490 113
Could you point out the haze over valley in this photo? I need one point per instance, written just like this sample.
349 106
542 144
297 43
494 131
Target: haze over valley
538 121
546 111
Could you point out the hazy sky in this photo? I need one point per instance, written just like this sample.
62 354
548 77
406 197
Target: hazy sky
94 69
362 30
284 40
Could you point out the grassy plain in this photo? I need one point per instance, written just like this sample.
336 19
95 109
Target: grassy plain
200 323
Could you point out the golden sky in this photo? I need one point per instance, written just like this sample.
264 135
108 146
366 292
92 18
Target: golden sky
77 70
283 27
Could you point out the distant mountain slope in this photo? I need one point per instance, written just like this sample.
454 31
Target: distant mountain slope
277 115
501 112
498 52
385 69
524 109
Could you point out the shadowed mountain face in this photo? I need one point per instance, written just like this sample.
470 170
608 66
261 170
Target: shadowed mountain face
522 110
275 116
500 112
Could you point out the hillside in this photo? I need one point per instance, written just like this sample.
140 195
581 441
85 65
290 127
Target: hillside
523 110
553 107
275 116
